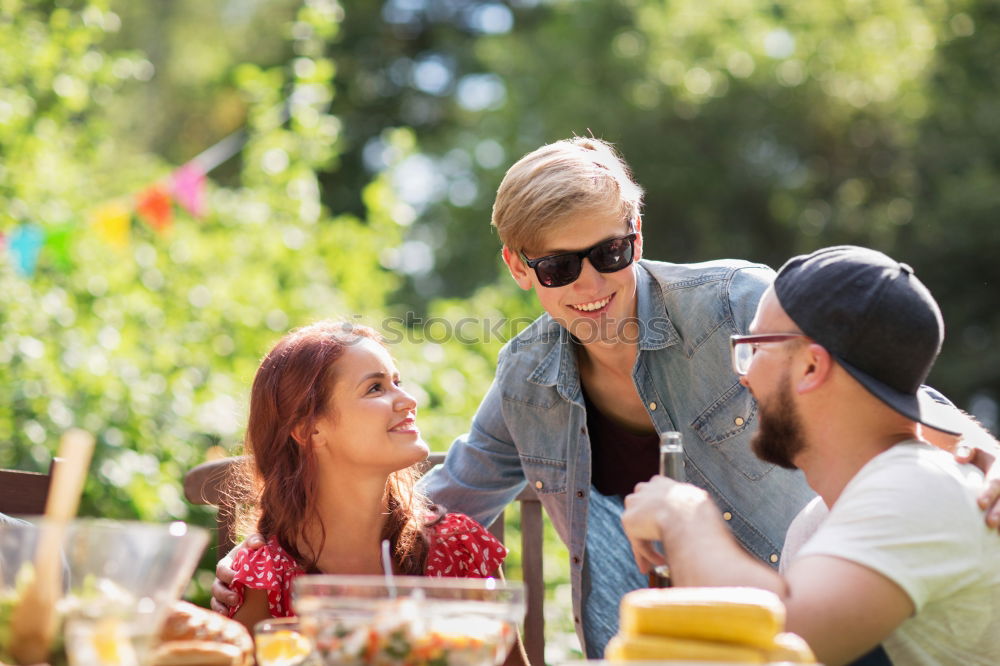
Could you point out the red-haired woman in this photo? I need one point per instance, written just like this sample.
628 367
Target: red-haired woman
331 445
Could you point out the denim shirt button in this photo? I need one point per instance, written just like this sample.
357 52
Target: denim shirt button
774 557
652 406
739 421
579 494
727 516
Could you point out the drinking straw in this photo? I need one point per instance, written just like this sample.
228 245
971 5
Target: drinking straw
387 568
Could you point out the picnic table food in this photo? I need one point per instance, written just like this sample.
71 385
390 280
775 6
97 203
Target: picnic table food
195 635
190 636
417 621
730 624
399 634
117 581
284 647
34 620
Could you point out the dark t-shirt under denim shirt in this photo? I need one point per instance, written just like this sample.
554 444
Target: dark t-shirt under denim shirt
620 458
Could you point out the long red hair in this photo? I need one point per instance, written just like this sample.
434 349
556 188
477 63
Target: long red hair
277 488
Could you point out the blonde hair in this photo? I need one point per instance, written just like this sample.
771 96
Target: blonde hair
550 184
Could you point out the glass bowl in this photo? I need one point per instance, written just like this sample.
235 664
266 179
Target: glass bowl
279 641
116 582
670 662
414 620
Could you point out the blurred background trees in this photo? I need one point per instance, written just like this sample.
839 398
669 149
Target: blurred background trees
758 129
372 136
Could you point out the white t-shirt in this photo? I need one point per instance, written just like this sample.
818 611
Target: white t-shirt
800 530
911 515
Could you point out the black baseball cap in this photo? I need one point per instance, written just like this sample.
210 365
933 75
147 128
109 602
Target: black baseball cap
876 318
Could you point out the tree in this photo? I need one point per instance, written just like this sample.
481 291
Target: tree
759 131
149 336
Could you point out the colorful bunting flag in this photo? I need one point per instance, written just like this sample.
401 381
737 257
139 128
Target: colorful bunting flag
112 221
57 244
154 205
188 185
25 244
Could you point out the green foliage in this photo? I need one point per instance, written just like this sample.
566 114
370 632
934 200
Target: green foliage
759 130
152 346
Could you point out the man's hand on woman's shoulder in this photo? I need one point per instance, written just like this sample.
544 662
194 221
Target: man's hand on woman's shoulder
223 598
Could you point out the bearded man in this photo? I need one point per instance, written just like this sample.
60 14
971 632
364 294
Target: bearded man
838 350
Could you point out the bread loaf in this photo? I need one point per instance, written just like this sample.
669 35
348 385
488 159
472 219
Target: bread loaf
197 628
665 648
738 625
791 648
743 615
197 653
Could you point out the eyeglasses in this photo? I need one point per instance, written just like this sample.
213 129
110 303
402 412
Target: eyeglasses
558 270
744 346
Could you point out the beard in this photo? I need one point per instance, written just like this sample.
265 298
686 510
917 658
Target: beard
779 437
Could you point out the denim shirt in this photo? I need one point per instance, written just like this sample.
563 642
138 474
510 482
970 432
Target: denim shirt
532 428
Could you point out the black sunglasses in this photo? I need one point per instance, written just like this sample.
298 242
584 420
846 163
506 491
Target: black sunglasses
558 270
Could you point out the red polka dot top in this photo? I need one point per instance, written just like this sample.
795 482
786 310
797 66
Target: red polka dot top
458 547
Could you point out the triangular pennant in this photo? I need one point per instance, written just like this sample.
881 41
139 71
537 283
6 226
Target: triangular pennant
154 205
111 222
57 242
188 186
25 244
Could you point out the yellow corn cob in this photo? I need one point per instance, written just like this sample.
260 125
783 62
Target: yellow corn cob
792 648
662 648
744 615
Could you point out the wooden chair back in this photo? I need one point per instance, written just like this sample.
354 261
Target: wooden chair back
205 485
24 493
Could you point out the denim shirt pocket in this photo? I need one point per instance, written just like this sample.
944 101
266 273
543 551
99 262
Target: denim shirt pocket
733 413
544 475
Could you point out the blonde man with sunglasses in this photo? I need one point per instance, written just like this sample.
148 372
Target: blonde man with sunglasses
626 349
